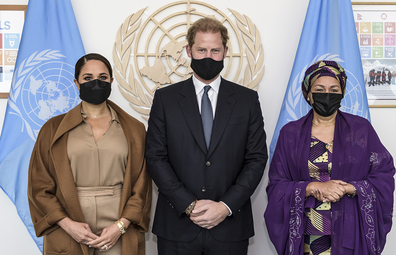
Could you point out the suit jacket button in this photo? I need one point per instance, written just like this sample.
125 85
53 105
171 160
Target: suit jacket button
203 189
207 163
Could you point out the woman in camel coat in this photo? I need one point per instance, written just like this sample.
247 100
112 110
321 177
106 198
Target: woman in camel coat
57 202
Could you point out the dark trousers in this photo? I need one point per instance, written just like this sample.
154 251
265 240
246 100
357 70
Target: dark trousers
203 244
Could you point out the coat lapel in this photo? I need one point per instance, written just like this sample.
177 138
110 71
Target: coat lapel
225 105
135 158
189 107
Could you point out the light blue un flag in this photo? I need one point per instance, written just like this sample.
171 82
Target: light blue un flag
42 87
329 33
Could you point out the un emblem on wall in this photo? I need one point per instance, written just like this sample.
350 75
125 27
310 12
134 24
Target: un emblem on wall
43 84
151 55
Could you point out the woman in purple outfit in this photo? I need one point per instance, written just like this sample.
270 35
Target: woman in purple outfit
331 180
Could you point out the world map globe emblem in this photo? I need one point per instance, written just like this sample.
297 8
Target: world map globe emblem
163 60
352 101
48 90
353 98
151 54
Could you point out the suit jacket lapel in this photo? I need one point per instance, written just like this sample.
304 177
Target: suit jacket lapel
189 107
225 105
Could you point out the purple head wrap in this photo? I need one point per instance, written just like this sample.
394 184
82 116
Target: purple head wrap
323 68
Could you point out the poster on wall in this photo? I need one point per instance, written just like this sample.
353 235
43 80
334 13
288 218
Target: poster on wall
376 31
11 25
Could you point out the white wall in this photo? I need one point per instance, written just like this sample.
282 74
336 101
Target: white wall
279 22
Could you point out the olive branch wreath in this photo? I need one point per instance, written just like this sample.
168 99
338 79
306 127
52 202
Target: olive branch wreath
254 71
132 90
19 76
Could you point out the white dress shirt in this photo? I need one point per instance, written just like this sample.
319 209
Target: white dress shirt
212 93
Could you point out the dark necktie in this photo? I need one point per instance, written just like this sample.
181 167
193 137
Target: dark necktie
206 115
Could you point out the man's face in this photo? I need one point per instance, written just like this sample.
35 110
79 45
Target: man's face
207 45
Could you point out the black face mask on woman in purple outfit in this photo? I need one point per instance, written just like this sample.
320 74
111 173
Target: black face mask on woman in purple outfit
325 104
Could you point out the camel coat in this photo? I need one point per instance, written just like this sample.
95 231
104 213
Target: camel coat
53 196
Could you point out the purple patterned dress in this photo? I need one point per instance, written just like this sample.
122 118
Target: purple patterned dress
317 234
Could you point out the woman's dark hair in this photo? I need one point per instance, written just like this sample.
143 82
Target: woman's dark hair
91 56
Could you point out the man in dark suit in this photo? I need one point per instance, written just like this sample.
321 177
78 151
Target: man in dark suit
206 152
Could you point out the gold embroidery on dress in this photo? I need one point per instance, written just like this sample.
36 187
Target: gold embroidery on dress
329 168
313 170
316 220
322 159
314 143
324 207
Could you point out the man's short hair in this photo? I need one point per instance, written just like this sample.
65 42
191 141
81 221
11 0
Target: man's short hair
207 25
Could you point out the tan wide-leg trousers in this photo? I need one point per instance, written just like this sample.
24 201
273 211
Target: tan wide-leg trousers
100 207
